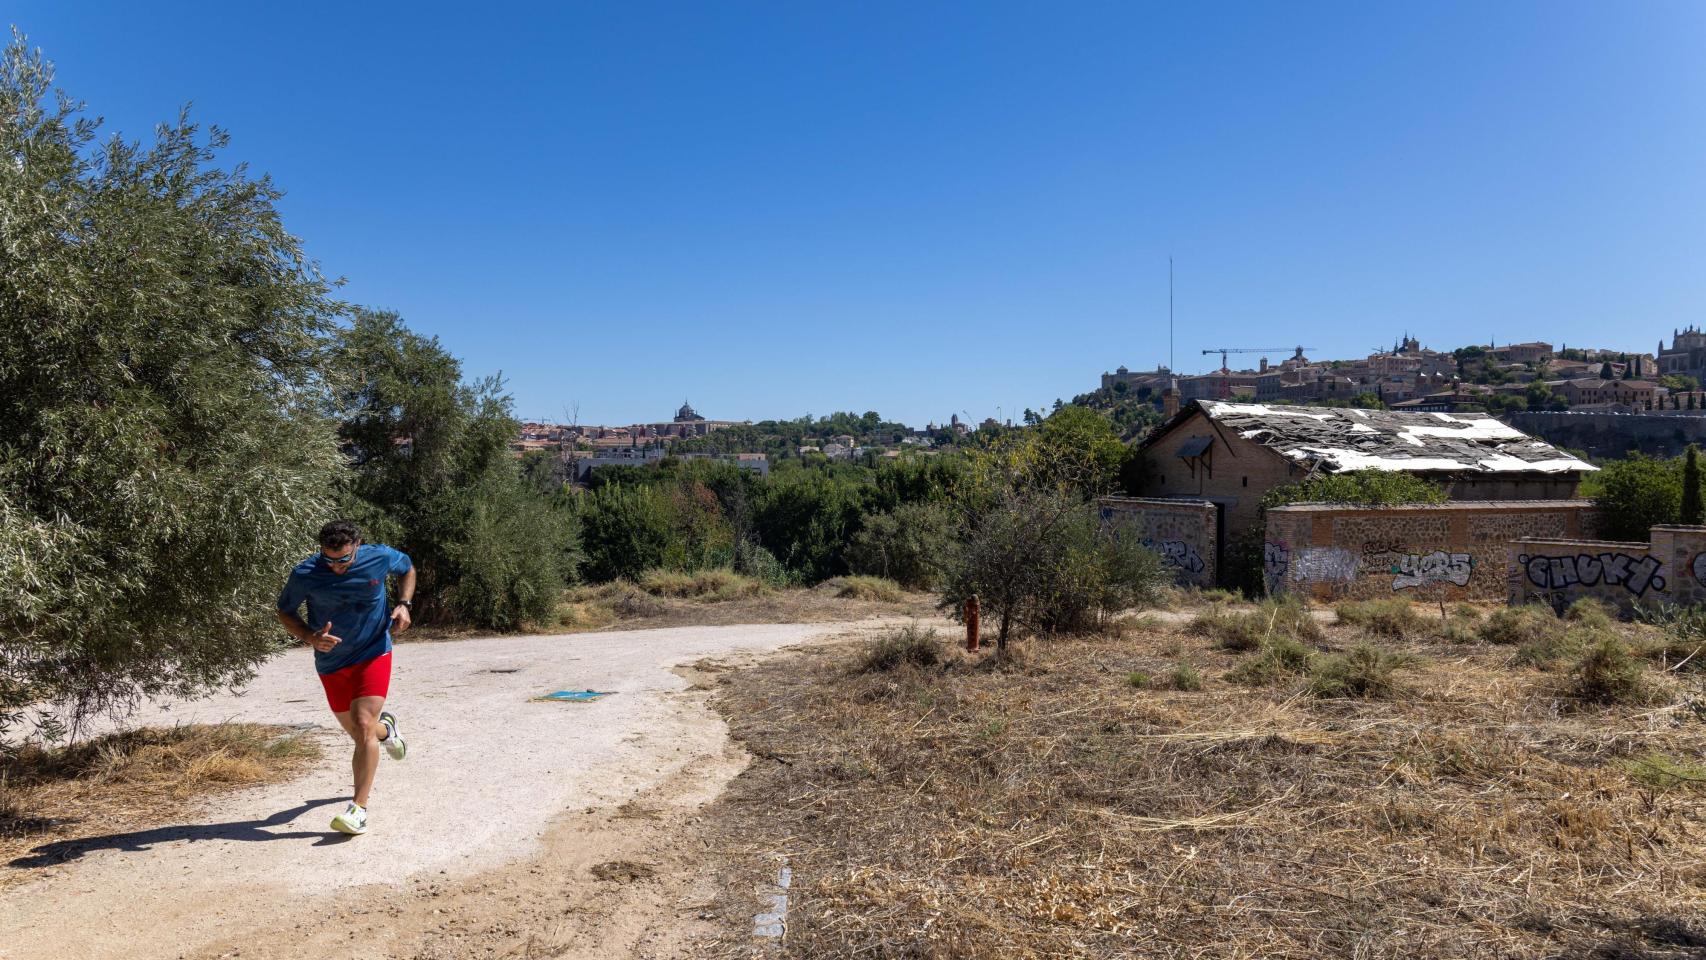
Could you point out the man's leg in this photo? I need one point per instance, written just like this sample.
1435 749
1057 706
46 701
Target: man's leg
363 726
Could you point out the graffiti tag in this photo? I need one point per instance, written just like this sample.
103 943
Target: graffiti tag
1276 559
1324 565
1176 553
1421 569
1698 568
1584 569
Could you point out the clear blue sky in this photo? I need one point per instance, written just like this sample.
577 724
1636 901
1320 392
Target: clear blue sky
925 208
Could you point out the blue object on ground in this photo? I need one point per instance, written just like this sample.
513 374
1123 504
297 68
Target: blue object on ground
575 696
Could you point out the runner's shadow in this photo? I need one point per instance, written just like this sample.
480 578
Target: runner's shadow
61 851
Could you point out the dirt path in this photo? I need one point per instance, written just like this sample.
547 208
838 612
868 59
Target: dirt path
513 829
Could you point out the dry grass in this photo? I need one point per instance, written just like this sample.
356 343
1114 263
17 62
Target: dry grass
715 597
717 585
862 587
134 777
1052 808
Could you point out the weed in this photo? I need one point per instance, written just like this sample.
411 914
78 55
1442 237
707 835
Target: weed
1514 626
910 644
1137 678
1249 630
1608 673
1281 657
862 587
1364 671
1184 677
1394 618
1663 773
1589 611
715 584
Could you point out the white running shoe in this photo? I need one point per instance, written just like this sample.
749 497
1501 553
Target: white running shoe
352 821
393 742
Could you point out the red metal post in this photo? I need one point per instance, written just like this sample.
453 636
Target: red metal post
971 623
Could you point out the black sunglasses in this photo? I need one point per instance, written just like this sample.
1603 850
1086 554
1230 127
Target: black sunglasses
346 558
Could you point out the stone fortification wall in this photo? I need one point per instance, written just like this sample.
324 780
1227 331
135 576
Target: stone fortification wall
1450 551
1183 532
1662 434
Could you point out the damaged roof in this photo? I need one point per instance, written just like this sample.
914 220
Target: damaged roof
1344 438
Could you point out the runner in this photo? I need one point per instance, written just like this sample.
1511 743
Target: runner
344 586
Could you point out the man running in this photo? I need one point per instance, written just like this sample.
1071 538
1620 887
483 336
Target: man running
344 586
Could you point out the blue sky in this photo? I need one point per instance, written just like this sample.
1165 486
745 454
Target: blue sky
927 208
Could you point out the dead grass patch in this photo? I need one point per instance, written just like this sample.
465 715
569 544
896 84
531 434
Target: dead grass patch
1060 809
710 598
133 777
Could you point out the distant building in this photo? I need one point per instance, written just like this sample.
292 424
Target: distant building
1686 356
1636 394
1532 352
1232 453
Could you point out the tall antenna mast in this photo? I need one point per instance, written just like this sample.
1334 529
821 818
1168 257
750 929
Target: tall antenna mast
1169 313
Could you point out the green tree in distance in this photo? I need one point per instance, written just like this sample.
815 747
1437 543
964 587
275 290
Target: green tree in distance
1692 510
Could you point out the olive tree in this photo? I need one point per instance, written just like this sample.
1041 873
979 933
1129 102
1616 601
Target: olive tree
164 456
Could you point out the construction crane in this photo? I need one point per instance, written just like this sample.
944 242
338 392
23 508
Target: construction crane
1225 372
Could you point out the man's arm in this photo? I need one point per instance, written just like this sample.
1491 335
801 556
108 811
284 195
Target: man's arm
322 639
400 619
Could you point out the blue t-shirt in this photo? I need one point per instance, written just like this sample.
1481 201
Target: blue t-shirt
353 601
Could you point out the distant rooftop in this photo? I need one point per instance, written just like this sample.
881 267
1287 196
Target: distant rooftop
1337 438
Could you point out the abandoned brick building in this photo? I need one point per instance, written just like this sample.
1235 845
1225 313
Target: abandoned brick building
1231 453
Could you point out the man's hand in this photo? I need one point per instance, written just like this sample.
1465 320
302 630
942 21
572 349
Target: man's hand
323 638
400 619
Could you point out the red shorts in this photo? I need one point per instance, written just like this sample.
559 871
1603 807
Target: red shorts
370 678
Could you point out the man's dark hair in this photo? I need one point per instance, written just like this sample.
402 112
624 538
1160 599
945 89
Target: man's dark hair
339 533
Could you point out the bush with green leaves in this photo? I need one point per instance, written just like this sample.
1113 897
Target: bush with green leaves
431 474
164 454
1634 494
1040 561
909 545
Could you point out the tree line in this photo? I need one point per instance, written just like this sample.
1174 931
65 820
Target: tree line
184 399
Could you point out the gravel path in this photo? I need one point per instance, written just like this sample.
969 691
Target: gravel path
487 773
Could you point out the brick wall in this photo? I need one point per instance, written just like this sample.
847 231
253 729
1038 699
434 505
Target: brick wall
1450 551
1669 568
1235 477
1181 531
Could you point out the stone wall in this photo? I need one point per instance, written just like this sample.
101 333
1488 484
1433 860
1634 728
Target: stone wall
1669 568
1658 433
1450 551
1183 532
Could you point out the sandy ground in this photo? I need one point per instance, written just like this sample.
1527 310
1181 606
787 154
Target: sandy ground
514 828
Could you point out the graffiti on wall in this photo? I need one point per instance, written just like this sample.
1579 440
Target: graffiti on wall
1423 569
1276 560
1633 574
1177 554
1698 568
1324 565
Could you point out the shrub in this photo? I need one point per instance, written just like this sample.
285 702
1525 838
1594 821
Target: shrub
869 588
1394 618
1364 672
1137 678
1184 677
1664 773
909 645
908 545
1608 673
1286 617
1636 493
1512 626
1041 561
1587 610
1281 657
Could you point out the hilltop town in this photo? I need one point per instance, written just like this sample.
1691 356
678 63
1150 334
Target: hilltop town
1609 396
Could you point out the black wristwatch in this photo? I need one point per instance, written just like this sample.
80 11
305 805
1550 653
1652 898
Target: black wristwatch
406 603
